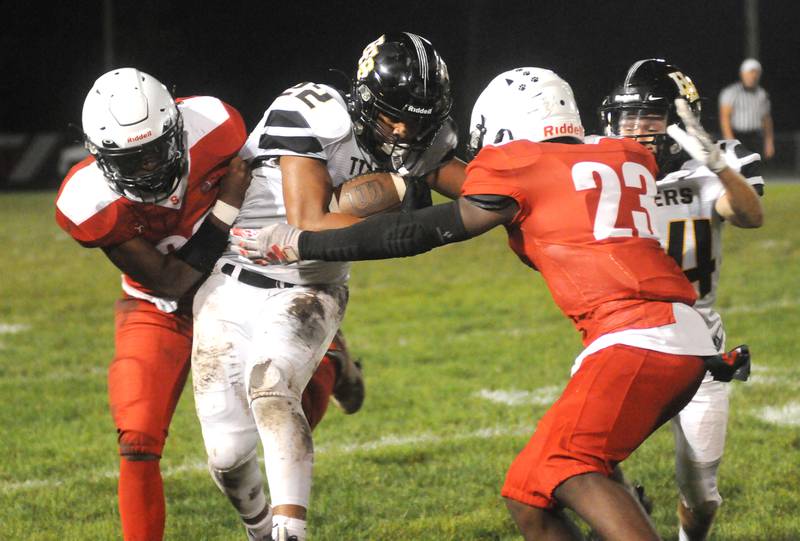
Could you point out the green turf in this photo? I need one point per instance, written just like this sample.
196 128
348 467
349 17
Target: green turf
425 458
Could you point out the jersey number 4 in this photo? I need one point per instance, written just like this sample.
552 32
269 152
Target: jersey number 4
705 265
607 221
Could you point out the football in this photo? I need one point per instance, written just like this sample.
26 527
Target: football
368 194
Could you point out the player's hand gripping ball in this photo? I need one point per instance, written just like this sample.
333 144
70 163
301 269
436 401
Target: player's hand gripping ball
370 193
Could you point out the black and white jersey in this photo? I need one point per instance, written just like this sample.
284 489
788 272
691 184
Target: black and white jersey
311 120
689 228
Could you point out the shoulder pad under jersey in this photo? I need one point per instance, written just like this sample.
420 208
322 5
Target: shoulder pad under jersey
206 116
87 209
303 121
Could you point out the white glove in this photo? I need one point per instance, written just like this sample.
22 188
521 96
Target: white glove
695 140
276 244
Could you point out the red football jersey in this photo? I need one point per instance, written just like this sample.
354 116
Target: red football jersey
585 222
96 216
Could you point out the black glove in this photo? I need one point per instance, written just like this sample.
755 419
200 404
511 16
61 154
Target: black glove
732 365
418 194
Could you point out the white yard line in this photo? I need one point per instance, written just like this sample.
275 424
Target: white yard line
396 440
543 396
778 381
13 328
764 307
786 415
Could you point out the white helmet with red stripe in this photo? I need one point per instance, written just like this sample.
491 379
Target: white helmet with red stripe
133 128
524 103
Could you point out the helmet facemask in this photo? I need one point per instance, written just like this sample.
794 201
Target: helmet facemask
648 127
148 173
376 136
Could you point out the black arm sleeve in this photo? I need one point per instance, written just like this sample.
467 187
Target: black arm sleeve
203 249
384 236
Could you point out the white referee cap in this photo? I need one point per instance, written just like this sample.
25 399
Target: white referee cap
750 64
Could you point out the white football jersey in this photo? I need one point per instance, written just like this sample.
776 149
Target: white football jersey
311 120
689 228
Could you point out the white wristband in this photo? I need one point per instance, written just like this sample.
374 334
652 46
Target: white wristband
224 212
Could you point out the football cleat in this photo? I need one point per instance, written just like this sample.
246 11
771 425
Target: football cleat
732 365
348 391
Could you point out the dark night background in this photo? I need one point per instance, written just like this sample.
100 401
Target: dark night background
247 52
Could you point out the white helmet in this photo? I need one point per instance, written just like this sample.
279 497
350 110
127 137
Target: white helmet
524 103
133 128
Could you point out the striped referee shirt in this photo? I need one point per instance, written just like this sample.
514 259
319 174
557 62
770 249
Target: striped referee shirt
749 106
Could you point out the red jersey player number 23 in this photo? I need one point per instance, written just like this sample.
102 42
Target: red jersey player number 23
609 221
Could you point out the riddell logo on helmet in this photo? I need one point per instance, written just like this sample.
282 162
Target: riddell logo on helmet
564 129
419 110
145 135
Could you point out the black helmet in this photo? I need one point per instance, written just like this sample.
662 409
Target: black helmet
650 88
403 77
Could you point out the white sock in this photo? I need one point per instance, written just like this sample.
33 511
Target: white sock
682 535
294 527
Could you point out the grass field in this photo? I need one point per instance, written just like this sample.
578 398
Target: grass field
463 349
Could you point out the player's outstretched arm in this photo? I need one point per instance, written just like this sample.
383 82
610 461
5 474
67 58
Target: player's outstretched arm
383 236
172 275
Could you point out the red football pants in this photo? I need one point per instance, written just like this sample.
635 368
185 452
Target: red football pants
145 380
618 397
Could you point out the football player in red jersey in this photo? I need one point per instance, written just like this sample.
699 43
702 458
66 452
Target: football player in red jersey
582 215
158 194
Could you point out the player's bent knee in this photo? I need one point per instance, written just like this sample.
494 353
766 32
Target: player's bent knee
228 455
136 446
267 379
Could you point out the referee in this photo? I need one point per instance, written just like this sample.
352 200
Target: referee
744 111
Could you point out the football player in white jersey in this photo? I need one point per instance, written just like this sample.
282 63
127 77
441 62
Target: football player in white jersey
701 185
261 330
158 194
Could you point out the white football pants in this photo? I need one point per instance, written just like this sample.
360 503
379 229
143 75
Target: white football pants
699 431
254 351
